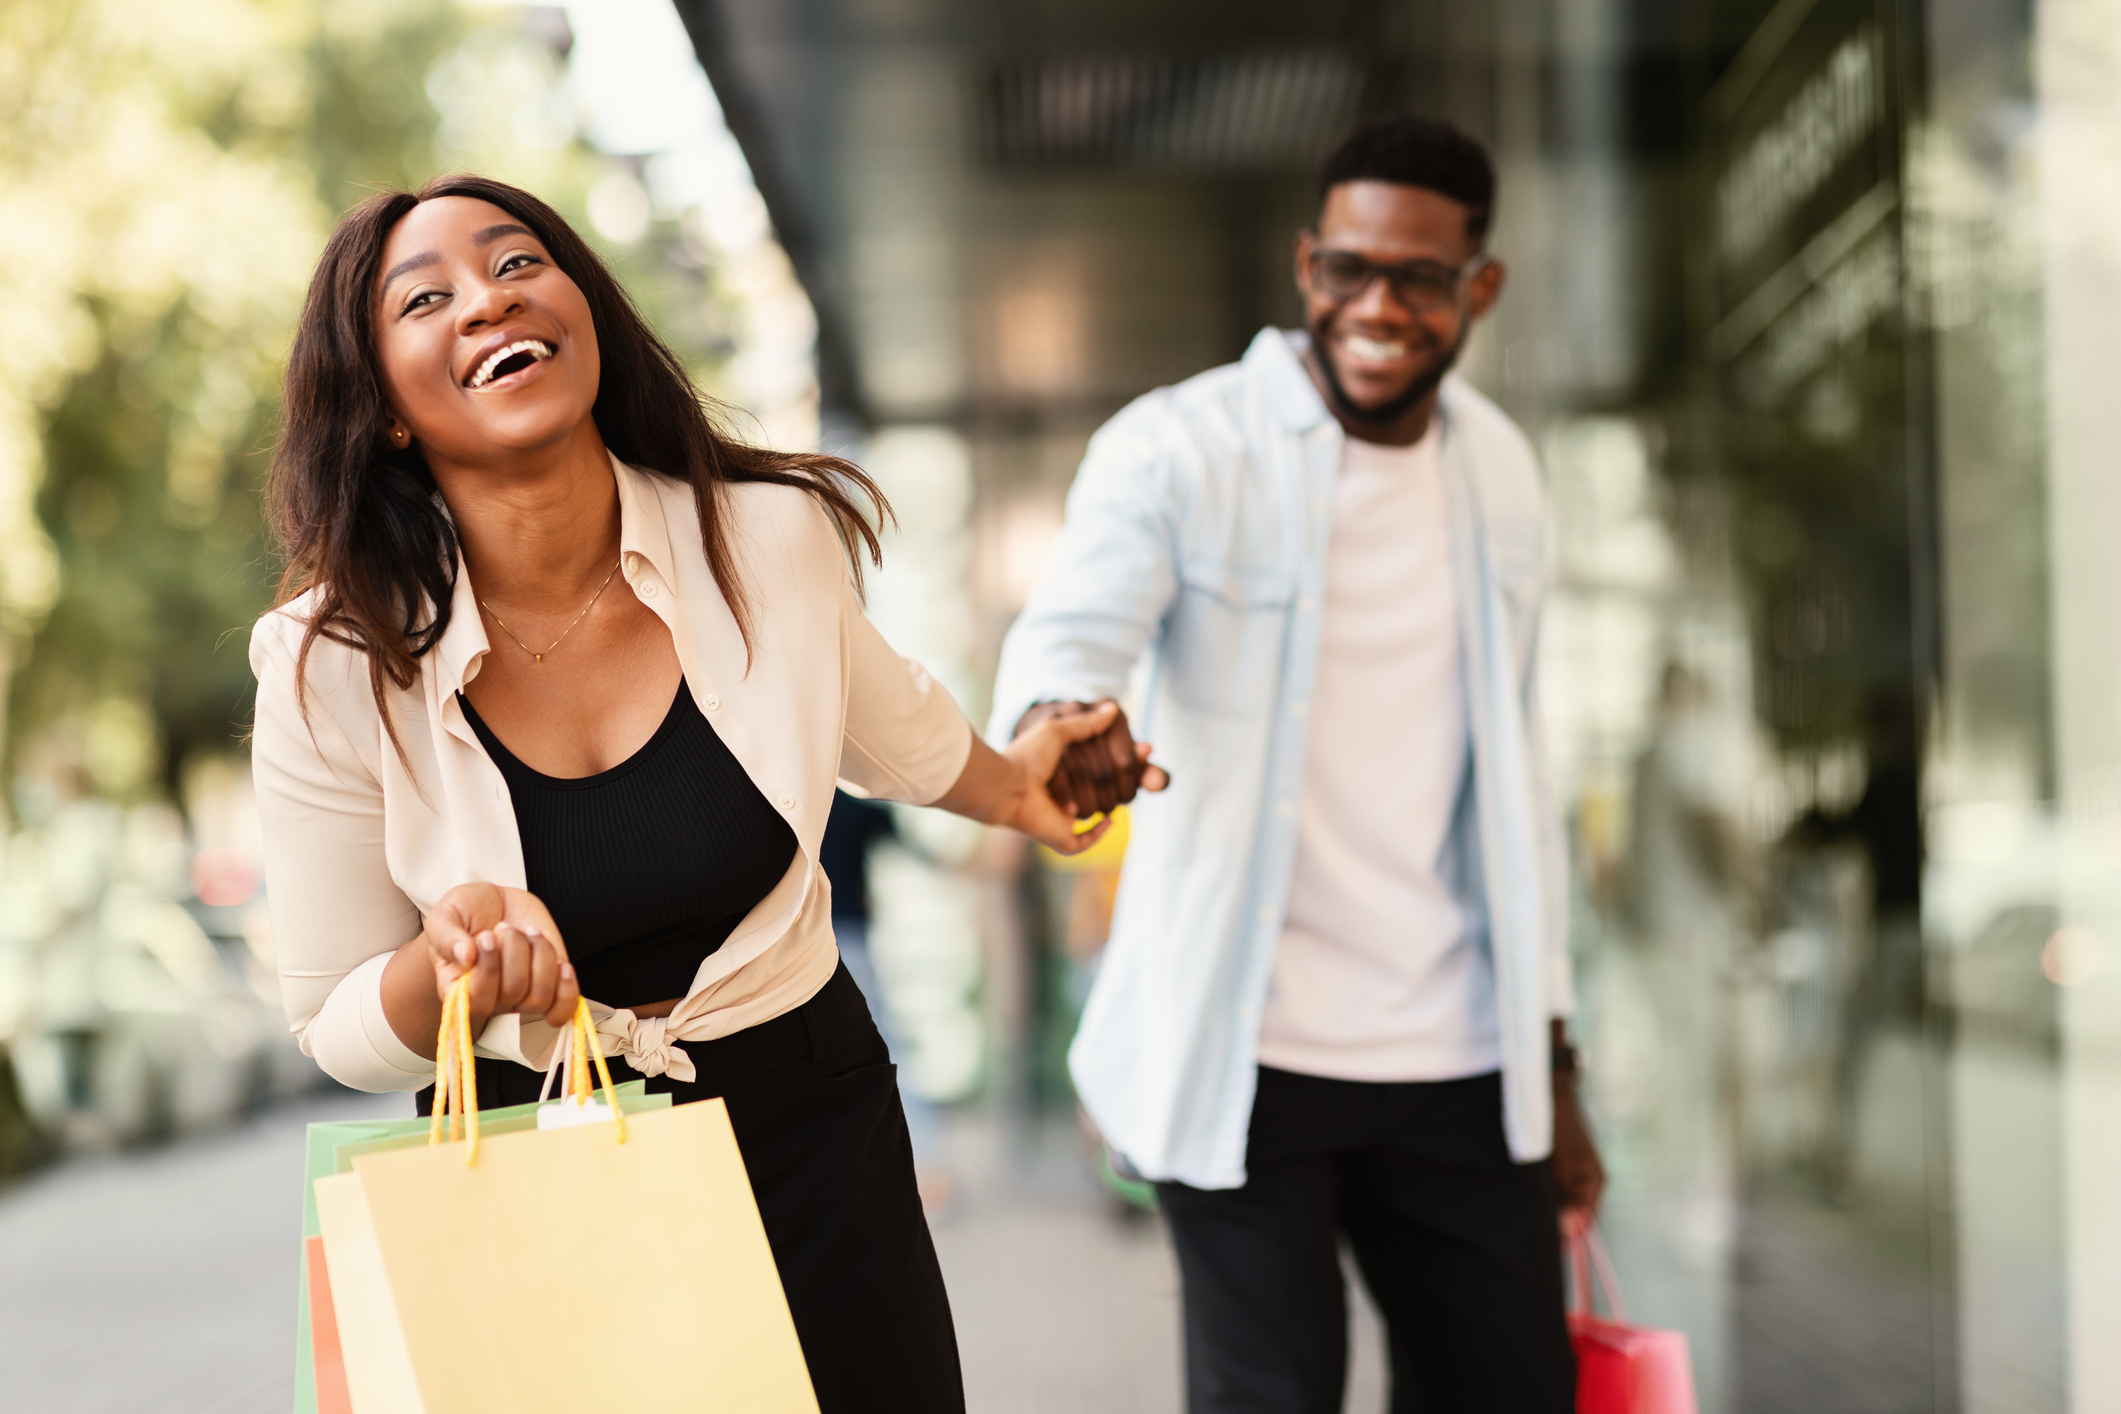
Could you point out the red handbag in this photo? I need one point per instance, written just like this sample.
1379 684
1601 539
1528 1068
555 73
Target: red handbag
1620 1368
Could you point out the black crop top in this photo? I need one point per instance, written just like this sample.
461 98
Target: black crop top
649 866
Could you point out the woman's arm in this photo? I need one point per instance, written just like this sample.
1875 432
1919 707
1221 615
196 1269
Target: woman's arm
336 911
904 738
367 1010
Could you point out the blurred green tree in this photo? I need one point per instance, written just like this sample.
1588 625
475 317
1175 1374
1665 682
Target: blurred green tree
167 175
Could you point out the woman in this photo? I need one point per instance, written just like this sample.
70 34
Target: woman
556 698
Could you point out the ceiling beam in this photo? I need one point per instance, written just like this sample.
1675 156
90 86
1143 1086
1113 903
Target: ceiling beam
839 383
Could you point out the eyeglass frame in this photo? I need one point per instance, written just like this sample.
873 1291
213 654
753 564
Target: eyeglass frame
1441 295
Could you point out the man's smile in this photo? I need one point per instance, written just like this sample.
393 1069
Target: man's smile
1374 350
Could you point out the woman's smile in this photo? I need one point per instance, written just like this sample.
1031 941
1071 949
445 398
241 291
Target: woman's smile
506 365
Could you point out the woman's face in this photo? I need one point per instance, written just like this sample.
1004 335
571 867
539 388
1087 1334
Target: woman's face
486 346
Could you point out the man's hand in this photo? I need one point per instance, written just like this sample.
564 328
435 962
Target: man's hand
1034 757
1100 773
1579 1175
1022 786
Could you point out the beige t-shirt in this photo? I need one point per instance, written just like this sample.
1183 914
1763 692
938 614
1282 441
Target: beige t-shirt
1376 976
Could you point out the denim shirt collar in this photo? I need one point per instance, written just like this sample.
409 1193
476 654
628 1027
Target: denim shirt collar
1274 366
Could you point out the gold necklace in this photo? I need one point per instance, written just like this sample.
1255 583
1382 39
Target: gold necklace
535 655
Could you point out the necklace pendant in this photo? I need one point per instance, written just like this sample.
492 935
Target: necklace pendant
537 657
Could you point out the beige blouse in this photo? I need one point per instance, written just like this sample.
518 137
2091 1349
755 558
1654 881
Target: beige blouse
357 847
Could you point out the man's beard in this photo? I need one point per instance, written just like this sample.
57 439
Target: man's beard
1385 413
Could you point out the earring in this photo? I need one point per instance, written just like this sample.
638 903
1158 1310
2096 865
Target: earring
400 437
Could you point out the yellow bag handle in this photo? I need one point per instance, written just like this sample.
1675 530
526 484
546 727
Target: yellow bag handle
456 1087
456 1095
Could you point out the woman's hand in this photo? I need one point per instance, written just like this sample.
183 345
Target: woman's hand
1016 787
1100 773
506 943
1036 754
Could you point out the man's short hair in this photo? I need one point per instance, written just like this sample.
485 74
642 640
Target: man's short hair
1417 152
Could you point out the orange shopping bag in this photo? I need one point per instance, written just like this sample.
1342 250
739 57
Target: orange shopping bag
1620 1368
603 1260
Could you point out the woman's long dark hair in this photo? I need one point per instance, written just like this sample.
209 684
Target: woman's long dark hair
360 521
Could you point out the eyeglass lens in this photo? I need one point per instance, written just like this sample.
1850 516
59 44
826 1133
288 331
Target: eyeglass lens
1419 284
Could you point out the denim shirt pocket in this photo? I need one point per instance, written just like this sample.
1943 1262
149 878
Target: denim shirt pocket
1223 651
1239 585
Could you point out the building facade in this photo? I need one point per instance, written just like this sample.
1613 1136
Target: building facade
1807 310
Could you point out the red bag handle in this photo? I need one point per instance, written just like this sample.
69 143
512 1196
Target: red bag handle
1587 1257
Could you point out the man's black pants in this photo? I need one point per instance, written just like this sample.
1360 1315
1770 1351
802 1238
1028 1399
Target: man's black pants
1457 1243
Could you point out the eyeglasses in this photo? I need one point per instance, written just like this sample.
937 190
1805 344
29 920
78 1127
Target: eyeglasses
1423 286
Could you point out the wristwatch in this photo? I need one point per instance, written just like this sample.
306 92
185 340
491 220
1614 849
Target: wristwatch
1566 1060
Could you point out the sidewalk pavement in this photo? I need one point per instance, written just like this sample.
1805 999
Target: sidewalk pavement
1064 1305
163 1282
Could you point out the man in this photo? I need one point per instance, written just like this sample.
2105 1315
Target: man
1332 1006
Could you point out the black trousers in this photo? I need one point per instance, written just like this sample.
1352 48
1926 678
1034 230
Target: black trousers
1457 1243
813 1098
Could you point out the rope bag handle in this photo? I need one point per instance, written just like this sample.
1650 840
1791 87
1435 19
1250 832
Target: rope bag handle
583 1048
456 1104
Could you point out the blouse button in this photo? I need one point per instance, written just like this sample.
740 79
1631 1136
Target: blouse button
712 703
787 801
648 591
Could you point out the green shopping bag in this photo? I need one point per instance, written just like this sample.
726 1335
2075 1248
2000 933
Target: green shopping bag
332 1149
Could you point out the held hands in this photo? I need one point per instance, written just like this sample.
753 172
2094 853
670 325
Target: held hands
1053 798
505 941
1102 771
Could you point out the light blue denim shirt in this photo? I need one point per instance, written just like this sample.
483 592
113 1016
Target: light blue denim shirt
1197 533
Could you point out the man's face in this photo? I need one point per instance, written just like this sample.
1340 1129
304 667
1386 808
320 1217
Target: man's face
1378 345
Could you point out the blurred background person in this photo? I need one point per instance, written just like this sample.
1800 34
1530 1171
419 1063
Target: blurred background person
1333 1007
852 830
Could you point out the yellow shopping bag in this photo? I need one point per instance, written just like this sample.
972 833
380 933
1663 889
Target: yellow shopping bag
569 1268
